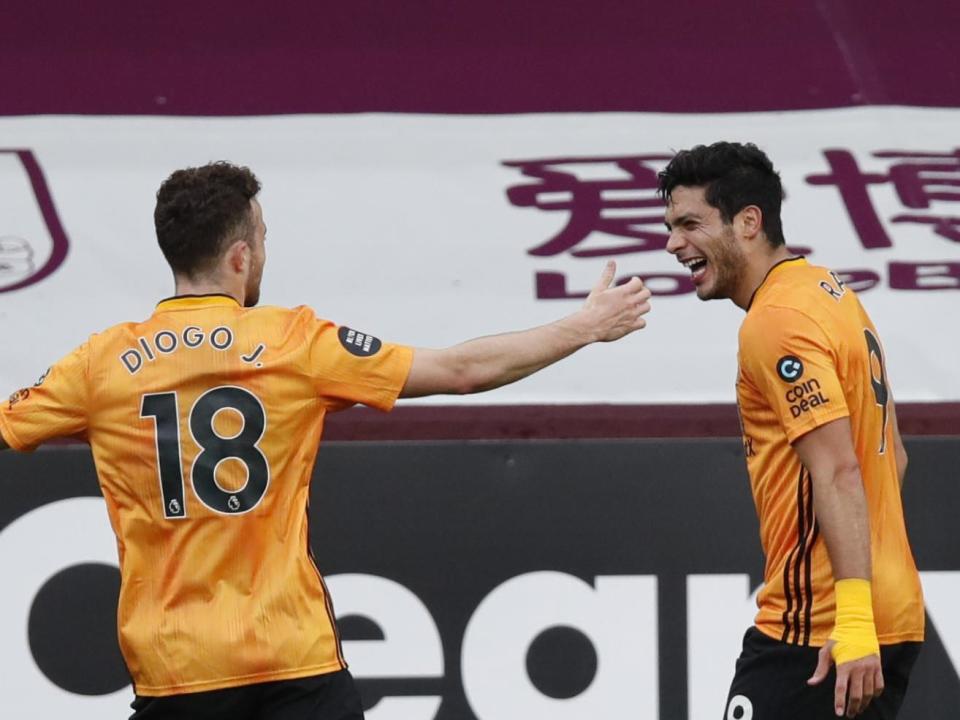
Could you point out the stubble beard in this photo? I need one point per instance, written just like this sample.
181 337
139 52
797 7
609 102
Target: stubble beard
727 264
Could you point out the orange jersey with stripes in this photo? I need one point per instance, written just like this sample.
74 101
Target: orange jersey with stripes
809 355
204 422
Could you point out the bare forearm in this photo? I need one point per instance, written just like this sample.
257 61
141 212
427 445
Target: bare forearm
840 505
490 362
609 313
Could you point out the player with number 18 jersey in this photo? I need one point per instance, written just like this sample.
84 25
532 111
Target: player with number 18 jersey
204 422
809 354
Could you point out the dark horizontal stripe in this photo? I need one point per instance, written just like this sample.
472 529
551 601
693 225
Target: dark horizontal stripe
482 56
558 422
498 422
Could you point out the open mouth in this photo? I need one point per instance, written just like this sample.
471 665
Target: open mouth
697 267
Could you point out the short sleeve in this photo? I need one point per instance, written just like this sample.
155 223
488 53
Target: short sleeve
55 406
790 359
350 366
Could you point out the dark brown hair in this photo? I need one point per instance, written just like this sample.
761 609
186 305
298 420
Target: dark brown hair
733 175
200 211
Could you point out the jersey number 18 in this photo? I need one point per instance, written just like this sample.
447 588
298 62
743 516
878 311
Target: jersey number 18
214 449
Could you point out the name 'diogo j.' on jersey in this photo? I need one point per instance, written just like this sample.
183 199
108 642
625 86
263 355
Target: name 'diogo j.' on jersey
204 421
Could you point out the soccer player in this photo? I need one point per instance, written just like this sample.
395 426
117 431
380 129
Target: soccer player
204 421
824 454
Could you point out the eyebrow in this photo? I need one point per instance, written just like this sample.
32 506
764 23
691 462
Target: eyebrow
680 220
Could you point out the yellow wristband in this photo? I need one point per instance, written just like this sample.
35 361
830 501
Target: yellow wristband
854 631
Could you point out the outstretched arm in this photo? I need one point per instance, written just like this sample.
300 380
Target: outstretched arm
609 313
840 506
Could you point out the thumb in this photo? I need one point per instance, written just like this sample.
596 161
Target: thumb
824 661
606 277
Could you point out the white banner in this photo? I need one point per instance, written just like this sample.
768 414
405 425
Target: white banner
428 230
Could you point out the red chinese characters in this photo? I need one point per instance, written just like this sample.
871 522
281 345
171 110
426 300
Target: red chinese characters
622 203
612 208
919 179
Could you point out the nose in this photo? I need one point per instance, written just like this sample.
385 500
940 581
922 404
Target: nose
675 242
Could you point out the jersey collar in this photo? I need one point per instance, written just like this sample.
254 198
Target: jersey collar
191 302
778 269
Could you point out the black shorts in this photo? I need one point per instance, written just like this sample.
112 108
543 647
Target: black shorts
771 682
321 697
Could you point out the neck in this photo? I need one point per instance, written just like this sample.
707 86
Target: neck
756 272
206 286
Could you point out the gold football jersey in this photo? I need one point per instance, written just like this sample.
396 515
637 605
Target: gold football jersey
204 421
809 354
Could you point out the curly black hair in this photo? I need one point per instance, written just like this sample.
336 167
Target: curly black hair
200 211
733 175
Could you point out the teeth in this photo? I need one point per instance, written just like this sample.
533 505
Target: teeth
696 265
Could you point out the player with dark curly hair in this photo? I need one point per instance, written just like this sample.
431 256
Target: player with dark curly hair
824 454
204 420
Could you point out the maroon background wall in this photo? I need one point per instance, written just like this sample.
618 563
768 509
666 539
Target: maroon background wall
473 56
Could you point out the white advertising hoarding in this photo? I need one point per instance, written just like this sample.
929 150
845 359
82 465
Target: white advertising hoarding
428 230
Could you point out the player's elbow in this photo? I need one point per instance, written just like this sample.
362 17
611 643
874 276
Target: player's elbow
841 475
469 373
846 476
468 380
462 377
457 372
440 372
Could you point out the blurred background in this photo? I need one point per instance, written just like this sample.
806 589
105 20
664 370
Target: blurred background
579 545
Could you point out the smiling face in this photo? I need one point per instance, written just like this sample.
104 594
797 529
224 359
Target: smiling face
704 244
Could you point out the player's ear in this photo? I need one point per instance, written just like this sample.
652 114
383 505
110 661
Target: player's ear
749 222
238 256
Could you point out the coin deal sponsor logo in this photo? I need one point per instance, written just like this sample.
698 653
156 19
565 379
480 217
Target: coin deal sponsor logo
789 368
805 396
